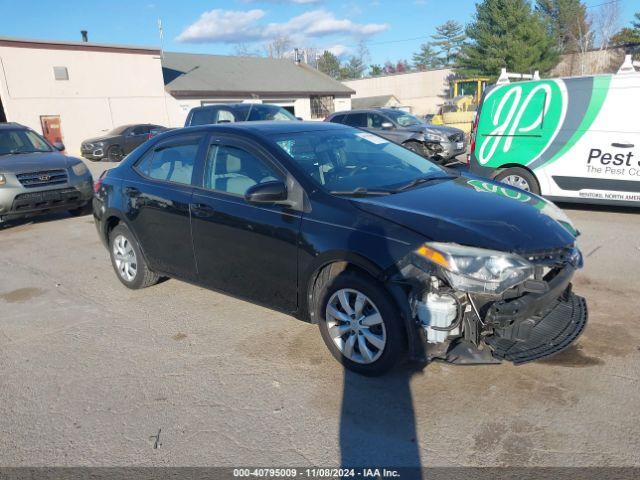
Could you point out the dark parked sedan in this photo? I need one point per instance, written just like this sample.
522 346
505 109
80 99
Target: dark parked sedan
117 143
388 253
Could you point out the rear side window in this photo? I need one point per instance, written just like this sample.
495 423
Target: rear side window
172 162
356 120
202 116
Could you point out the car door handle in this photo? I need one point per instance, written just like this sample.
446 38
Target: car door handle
132 191
202 210
623 145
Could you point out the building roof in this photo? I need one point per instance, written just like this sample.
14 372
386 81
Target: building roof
373 102
198 75
64 45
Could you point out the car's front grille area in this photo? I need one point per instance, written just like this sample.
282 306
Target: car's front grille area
456 137
46 199
43 178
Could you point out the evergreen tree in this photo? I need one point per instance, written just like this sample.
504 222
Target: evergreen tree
353 68
375 70
507 33
448 40
567 21
426 58
329 64
628 35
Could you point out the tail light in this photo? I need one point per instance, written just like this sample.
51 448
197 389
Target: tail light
97 184
149 136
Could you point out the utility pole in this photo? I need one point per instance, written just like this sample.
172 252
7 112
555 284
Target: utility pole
161 32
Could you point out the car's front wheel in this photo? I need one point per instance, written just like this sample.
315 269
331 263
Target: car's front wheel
359 323
115 154
127 260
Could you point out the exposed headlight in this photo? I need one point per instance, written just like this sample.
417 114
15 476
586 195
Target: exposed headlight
476 270
3 180
552 211
79 169
433 137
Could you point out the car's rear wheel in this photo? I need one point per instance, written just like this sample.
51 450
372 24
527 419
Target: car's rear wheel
520 178
359 323
128 261
115 154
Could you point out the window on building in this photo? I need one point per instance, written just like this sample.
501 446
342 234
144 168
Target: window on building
61 73
321 106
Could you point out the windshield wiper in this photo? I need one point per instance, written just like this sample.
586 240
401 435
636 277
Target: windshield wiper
360 192
421 180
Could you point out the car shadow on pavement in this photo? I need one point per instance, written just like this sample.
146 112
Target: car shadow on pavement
378 424
377 419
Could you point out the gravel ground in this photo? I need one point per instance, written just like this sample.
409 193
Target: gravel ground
91 372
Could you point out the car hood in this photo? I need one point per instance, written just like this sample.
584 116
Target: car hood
31 162
104 138
439 129
474 212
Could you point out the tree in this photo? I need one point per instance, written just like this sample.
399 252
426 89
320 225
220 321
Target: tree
448 40
628 35
244 50
567 21
356 65
375 70
606 23
426 58
389 68
279 47
507 33
402 66
329 64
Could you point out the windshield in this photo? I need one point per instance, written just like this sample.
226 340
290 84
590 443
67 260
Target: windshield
348 159
404 119
22 141
253 112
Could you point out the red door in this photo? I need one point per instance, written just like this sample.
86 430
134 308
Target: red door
51 128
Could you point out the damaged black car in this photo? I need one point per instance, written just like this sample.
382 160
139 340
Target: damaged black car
393 256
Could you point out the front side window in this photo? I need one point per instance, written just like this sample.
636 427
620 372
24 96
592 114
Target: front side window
375 120
234 170
346 160
358 120
171 163
21 141
321 106
404 119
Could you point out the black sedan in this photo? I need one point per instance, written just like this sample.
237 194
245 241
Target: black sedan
120 141
387 252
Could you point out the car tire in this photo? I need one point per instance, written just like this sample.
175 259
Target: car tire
115 154
131 268
372 344
519 178
82 211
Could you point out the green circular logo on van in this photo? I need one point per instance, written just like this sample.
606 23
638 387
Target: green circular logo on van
522 121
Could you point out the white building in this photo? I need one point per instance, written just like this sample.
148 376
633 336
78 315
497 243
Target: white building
193 80
72 91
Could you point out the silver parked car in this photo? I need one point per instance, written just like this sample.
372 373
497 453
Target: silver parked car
36 177
436 142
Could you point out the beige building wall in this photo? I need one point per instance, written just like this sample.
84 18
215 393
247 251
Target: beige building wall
423 92
105 89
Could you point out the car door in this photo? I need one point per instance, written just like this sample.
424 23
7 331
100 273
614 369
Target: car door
158 195
135 136
247 250
383 126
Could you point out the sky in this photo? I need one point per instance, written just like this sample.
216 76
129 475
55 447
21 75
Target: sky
392 29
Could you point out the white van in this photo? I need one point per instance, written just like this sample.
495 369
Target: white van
570 139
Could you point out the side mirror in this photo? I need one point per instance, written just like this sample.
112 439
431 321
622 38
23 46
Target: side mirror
267 192
386 125
59 146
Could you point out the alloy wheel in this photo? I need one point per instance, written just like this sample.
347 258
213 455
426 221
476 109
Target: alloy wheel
125 258
356 326
517 181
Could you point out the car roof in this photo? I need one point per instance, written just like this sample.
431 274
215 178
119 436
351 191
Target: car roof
13 126
235 105
262 127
